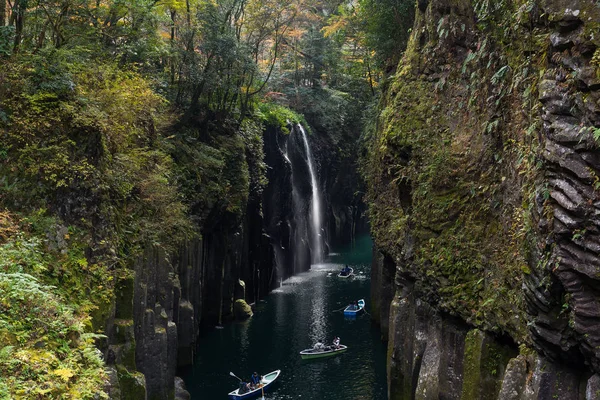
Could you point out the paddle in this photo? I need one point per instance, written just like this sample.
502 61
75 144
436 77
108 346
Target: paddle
262 389
235 376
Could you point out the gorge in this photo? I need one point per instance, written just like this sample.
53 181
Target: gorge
165 165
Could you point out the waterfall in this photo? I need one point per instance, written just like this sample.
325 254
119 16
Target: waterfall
315 217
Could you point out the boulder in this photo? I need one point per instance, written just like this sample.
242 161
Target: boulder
242 310
180 392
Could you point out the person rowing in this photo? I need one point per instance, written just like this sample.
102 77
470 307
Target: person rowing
255 380
244 387
336 342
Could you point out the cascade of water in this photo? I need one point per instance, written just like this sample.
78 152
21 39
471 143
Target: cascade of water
315 220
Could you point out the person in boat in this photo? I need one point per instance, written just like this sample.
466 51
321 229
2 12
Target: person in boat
336 342
345 270
244 387
319 345
255 380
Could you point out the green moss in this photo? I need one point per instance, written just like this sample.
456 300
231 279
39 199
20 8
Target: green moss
472 365
124 295
241 309
133 384
276 115
123 331
441 169
128 356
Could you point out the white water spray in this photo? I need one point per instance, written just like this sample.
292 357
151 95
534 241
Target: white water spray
317 252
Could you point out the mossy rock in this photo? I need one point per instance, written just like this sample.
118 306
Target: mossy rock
242 310
133 384
485 360
123 331
124 296
472 365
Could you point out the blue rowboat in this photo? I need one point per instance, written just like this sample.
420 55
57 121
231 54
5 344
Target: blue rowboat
266 381
348 274
353 311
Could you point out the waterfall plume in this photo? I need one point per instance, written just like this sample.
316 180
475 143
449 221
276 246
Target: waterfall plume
315 211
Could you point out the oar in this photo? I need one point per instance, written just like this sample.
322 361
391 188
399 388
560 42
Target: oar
235 376
262 389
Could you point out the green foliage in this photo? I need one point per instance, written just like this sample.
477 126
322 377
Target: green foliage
212 172
88 132
387 28
252 134
46 350
6 40
280 116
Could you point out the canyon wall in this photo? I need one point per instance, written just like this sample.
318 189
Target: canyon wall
483 200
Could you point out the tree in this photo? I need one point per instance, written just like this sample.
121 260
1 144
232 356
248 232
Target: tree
2 13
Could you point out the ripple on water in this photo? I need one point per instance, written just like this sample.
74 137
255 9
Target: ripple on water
294 316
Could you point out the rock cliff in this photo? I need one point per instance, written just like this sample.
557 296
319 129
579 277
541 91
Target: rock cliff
167 298
483 202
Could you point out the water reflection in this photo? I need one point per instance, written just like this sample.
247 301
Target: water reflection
290 320
318 327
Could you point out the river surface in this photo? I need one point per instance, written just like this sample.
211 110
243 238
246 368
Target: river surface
292 318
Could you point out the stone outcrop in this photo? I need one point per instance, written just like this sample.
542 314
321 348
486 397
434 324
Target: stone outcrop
563 292
242 310
436 356
484 206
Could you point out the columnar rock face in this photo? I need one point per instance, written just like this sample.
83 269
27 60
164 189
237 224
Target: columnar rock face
289 245
168 298
432 355
155 298
564 291
483 202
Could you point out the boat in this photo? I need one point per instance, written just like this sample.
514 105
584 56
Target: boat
349 274
351 311
266 382
328 351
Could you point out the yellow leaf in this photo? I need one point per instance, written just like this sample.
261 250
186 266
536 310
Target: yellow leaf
64 373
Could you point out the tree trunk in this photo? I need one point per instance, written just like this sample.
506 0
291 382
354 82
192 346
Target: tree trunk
19 17
2 12
172 42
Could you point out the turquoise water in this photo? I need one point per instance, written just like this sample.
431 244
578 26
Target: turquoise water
293 318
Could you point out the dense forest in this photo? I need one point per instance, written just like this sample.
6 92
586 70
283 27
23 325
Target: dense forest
158 159
128 124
